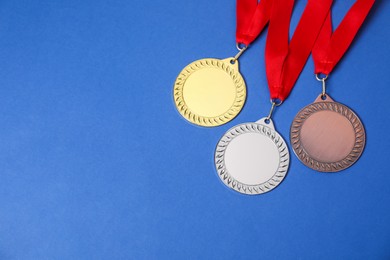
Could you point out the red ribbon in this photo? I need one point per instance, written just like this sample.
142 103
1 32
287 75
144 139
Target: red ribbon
329 48
252 17
284 60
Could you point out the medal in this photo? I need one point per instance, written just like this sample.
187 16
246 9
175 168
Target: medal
328 136
253 158
211 92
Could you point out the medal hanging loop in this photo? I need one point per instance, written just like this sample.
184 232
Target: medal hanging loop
323 80
241 47
274 103
241 50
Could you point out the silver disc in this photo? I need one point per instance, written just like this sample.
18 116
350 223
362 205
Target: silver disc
252 158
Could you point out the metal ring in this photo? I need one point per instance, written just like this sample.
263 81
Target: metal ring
239 48
241 51
321 79
276 101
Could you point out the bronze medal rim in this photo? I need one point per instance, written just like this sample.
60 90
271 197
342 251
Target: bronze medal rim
224 118
302 154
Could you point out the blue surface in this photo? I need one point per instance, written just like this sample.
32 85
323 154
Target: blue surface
96 163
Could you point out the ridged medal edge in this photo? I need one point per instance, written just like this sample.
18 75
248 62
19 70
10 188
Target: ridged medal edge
274 181
194 118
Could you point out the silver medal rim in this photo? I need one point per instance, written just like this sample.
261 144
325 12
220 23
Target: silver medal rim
278 176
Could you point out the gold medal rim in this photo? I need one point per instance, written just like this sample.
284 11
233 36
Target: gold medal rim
304 156
224 118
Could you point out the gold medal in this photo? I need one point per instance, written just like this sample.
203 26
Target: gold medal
210 92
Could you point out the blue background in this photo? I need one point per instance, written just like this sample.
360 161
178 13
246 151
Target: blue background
96 163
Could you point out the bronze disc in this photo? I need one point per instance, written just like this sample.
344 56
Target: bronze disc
327 136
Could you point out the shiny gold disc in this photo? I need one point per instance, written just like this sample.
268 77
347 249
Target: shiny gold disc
210 92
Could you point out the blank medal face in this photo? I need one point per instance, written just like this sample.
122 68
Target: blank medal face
327 136
247 153
210 92
252 158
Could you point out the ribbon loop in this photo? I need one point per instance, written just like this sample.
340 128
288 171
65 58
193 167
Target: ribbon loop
252 17
284 60
330 48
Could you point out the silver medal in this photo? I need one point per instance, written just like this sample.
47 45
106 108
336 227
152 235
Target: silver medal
252 158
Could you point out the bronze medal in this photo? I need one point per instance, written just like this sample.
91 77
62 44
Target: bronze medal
327 136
